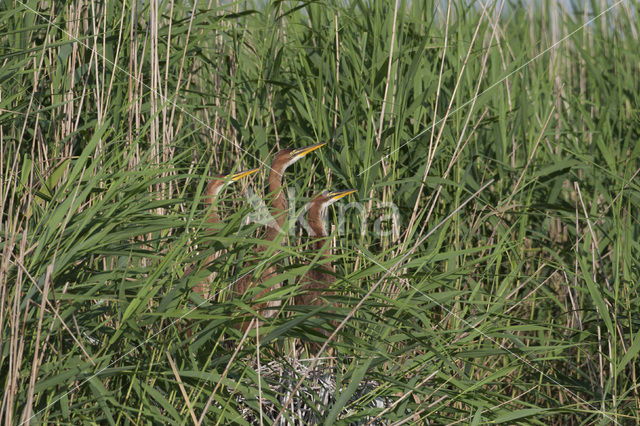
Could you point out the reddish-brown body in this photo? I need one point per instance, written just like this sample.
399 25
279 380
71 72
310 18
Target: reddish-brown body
212 191
282 160
317 282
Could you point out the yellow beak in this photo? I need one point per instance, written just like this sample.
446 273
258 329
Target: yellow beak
336 195
301 152
240 175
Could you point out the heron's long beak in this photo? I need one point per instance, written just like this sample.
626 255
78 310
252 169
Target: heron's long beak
301 152
240 175
336 195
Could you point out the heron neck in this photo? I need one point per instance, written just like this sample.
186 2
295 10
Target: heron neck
278 201
317 214
212 193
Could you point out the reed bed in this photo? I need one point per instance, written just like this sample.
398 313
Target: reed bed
487 269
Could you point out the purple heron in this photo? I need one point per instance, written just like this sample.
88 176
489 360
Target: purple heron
282 160
215 186
317 281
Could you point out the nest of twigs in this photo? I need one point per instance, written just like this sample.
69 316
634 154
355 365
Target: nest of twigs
312 401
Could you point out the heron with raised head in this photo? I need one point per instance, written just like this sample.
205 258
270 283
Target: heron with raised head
317 281
279 208
214 187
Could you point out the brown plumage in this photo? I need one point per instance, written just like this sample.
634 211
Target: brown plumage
282 160
317 282
215 186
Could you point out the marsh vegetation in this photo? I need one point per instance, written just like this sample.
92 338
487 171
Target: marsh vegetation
490 271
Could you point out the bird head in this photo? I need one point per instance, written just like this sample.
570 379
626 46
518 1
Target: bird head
286 157
325 199
333 196
318 208
220 181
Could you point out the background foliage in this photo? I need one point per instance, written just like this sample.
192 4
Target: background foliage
506 134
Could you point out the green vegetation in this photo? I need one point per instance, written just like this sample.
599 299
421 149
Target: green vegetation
508 139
